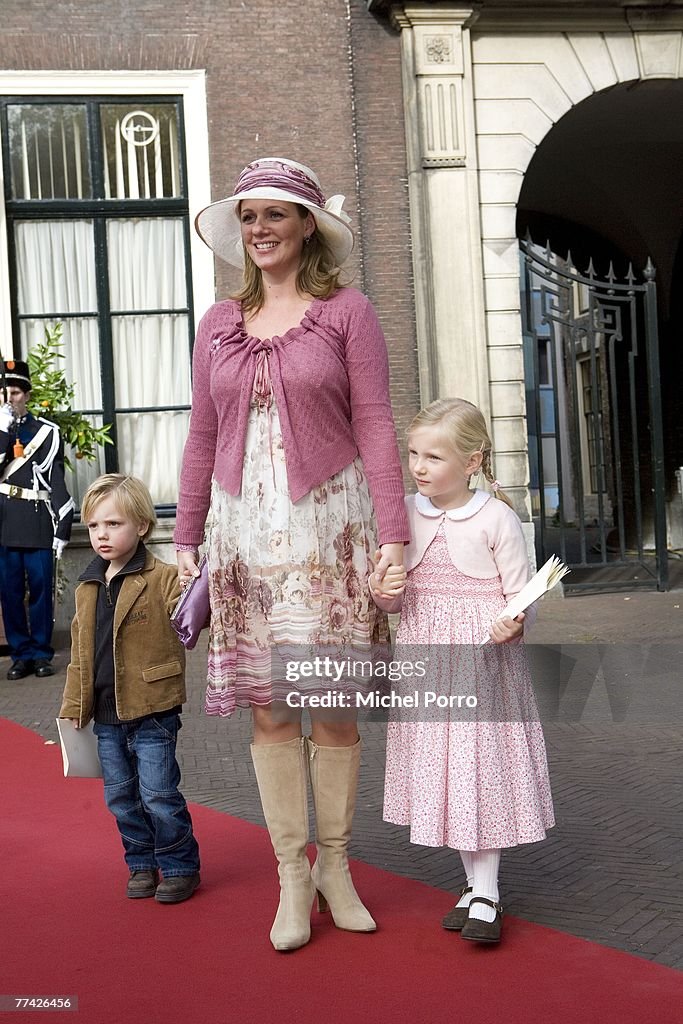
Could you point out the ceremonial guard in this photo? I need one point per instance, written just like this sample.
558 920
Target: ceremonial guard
36 512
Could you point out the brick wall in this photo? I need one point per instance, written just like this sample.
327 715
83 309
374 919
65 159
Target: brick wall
383 190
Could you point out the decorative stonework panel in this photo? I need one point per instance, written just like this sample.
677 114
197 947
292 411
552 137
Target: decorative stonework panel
521 81
442 121
659 54
501 256
439 70
552 50
438 51
622 51
595 59
512 117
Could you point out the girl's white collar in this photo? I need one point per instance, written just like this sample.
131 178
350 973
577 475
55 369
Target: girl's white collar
477 501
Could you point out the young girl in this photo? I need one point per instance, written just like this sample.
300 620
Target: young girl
475 786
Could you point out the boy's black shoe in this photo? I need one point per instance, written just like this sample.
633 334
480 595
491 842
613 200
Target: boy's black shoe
43 668
142 884
176 889
20 669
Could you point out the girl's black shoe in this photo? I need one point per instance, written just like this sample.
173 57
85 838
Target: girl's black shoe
456 919
484 931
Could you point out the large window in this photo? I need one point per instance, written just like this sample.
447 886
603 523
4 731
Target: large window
96 204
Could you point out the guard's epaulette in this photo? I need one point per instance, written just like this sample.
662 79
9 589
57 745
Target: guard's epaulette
51 423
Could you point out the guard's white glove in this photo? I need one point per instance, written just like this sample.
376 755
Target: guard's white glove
6 417
58 546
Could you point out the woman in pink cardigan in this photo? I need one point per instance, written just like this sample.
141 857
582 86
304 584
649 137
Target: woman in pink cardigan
292 453
473 780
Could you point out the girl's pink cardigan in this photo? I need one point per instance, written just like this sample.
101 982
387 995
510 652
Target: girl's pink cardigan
484 538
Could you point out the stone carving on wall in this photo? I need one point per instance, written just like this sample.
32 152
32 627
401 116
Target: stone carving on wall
438 49
439 70
443 144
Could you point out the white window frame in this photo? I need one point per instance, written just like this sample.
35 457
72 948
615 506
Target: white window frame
191 85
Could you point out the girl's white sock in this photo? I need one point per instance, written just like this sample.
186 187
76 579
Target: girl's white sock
485 865
466 858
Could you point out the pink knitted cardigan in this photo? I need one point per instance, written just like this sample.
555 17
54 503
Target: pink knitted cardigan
330 378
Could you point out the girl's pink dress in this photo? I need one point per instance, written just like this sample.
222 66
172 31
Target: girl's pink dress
465 784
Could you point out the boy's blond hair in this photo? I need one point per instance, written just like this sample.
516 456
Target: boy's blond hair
464 430
130 494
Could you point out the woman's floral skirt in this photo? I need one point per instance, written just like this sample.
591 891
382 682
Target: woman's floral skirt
286 576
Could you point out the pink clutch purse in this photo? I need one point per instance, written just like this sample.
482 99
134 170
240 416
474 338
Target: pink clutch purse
192 614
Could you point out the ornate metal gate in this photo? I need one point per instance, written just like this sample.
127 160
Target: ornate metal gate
594 419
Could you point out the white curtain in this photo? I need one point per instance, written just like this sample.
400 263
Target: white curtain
146 264
151 353
56 275
153 445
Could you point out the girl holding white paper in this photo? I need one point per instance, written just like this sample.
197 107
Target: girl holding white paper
478 785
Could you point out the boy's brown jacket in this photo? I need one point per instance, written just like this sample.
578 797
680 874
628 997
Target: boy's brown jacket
149 660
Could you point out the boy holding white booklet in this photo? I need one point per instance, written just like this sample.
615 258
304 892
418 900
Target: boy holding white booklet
477 783
127 671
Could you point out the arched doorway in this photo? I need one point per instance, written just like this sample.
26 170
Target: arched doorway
603 189
485 91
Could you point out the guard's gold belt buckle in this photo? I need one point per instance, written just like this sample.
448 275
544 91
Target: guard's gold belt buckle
15 491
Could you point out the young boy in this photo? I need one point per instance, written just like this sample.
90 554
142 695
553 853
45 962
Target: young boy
127 671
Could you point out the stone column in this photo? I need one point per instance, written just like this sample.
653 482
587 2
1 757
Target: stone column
444 201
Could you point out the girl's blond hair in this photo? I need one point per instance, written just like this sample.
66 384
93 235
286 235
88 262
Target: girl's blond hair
463 428
318 273
130 494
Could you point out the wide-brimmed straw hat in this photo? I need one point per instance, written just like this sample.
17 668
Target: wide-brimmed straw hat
274 178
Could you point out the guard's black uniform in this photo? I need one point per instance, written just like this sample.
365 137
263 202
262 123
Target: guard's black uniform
35 507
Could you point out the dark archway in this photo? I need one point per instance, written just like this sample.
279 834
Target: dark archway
605 183
610 169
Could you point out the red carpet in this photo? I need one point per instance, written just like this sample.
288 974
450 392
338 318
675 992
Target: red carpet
67 929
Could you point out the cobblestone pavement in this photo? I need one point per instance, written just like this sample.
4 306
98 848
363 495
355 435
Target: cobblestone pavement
612 868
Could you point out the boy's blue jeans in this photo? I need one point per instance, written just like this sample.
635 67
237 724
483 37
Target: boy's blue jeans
141 777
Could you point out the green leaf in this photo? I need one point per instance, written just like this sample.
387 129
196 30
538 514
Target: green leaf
49 385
